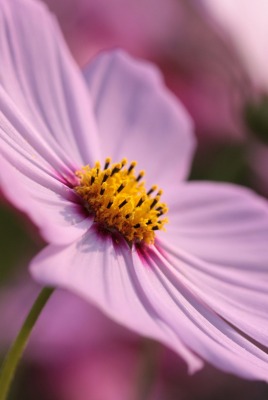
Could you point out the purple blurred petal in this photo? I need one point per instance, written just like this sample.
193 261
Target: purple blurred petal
199 62
246 23
56 336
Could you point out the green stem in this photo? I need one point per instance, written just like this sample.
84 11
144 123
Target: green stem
14 355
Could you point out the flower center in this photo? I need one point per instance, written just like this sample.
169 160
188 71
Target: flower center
119 202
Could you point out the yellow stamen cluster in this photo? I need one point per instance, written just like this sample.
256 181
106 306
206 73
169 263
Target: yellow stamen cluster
119 202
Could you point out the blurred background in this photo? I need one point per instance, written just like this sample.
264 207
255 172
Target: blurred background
214 56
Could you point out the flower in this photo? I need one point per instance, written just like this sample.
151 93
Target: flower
91 25
200 287
248 31
198 61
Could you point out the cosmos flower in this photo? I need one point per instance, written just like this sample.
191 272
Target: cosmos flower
197 282
248 31
199 62
143 28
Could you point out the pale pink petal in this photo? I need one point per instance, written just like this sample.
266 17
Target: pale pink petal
152 296
102 271
220 232
185 310
19 136
220 223
30 183
45 111
139 119
50 204
240 297
43 84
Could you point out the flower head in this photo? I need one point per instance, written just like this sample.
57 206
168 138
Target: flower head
200 286
119 203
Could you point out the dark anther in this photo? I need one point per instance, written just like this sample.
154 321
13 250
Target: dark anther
106 165
105 177
92 180
149 222
153 203
139 177
155 228
115 170
150 191
140 202
127 216
159 208
160 213
122 204
102 191
121 187
130 168
137 226
109 204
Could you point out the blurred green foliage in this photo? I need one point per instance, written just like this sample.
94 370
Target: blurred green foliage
18 242
223 163
256 117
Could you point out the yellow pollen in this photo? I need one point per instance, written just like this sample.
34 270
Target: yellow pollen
118 200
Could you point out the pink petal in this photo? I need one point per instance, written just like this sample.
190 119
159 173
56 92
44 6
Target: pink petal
220 232
46 122
220 223
42 83
240 297
184 309
19 138
139 119
50 204
103 272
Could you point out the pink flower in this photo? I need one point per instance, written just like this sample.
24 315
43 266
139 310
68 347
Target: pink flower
248 31
200 287
141 27
199 63
246 24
